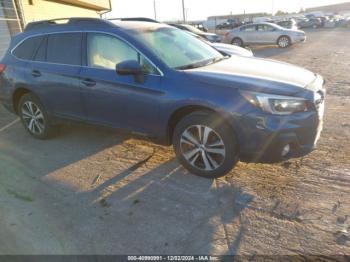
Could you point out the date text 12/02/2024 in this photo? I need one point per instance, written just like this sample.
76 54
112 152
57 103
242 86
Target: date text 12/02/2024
173 258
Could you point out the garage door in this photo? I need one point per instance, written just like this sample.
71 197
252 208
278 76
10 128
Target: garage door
9 24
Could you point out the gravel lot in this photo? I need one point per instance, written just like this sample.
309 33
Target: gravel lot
93 191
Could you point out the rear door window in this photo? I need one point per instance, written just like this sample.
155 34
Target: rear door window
40 54
27 48
64 48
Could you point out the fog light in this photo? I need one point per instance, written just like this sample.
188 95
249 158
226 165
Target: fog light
285 150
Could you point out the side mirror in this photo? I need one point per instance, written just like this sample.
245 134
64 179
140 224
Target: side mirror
131 67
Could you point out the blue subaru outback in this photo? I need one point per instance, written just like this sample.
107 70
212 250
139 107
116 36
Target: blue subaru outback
156 80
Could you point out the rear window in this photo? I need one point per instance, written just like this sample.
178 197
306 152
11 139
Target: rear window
27 48
64 48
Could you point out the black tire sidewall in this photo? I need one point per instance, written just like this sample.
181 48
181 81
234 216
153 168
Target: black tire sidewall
47 128
237 40
226 134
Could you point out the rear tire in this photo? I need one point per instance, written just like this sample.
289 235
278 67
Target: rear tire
237 41
205 145
284 41
34 117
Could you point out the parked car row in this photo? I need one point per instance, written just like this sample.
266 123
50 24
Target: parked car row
311 21
229 24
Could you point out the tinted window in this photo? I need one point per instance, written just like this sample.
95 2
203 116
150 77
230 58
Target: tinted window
64 48
105 51
40 54
248 28
26 49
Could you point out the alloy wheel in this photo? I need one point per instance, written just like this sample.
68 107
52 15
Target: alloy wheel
283 42
33 118
202 147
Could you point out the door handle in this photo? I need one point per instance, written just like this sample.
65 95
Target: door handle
36 73
89 82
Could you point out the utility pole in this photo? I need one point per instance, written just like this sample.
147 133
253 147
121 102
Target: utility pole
155 9
183 11
273 6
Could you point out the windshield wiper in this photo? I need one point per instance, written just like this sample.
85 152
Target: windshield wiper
202 63
215 60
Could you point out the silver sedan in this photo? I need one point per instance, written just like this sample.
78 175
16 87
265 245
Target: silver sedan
264 33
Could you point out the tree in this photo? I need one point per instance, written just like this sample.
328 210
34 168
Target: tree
279 12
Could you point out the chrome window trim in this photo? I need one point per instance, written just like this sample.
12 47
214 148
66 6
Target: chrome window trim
88 31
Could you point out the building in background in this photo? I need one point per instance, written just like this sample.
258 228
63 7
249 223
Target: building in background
341 9
15 14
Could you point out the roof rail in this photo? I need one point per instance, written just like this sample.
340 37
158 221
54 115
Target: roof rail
65 21
139 19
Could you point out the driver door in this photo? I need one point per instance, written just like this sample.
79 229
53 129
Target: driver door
118 100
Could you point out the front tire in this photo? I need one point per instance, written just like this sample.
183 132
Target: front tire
237 42
34 117
284 41
205 145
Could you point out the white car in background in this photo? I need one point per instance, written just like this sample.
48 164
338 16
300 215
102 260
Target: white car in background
263 34
232 49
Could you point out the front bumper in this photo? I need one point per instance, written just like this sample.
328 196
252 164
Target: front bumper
264 136
299 39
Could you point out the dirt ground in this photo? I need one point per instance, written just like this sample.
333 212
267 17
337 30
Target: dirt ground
93 191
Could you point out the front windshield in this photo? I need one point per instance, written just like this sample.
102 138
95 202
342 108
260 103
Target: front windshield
178 49
193 29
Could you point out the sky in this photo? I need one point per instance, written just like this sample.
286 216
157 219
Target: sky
171 10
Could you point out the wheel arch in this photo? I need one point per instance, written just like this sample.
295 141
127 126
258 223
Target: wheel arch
290 39
239 38
183 111
17 94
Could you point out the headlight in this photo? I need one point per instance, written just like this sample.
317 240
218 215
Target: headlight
275 104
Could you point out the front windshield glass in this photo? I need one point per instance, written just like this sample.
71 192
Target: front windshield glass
193 29
178 49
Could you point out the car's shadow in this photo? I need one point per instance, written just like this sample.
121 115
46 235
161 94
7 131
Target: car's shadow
270 51
106 193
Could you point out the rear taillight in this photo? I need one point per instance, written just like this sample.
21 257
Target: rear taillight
2 68
226 34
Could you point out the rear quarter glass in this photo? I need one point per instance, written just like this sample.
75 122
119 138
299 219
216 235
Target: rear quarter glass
26 49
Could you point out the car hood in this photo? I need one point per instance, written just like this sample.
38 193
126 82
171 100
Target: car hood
255 73
232 49
208 34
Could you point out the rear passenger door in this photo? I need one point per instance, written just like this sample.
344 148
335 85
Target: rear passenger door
248 34
55 69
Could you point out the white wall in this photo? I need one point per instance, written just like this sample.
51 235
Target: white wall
5 36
